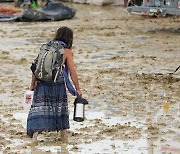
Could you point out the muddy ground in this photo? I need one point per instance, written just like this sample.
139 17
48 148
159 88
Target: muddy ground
123 62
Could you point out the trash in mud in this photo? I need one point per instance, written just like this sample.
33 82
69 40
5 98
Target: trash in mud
52 11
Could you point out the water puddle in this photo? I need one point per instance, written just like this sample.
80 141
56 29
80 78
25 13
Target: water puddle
141 37
174 31
144 144
109 54
105 59
37 40
9 44
160 72
116 146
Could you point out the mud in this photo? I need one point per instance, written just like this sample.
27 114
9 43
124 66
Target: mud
123 62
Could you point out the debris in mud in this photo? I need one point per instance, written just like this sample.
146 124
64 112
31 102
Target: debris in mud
165 79
8 11
52 11
175 31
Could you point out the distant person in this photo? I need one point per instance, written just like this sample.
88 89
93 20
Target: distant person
49 110
133 3
125 3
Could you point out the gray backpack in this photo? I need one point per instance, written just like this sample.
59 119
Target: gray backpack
49 62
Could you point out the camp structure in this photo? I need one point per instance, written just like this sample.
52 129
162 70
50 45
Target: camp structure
155 7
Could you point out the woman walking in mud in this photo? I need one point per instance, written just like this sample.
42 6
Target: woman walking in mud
49 111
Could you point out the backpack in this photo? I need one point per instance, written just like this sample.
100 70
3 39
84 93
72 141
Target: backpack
49 62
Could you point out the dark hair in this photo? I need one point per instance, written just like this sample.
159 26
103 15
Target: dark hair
65 34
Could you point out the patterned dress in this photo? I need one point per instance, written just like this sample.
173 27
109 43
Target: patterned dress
49 110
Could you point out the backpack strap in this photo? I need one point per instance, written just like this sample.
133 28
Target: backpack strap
62 43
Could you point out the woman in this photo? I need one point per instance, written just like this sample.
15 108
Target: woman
49 111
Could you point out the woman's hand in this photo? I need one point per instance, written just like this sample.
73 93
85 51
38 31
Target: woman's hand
31 88
78 93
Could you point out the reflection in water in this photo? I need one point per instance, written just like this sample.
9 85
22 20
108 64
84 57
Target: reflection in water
34 150
162 116
62 149
150 135
152 130
150 146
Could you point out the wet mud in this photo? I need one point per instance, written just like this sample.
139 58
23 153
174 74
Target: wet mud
125 65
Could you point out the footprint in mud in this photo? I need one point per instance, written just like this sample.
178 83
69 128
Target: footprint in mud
121 132
14 120
37 151
21 61
5 53
3 142
8 115
75 149
2 91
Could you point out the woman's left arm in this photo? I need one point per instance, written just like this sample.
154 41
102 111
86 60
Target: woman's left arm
32 82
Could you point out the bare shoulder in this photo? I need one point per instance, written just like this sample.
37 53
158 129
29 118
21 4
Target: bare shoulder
67 54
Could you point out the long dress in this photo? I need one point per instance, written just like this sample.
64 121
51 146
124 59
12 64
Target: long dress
49 110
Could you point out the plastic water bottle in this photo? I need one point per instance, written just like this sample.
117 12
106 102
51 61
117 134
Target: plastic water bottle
28 98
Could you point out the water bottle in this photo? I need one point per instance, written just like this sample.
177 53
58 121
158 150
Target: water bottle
28 98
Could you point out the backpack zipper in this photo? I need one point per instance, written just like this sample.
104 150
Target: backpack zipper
42 62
